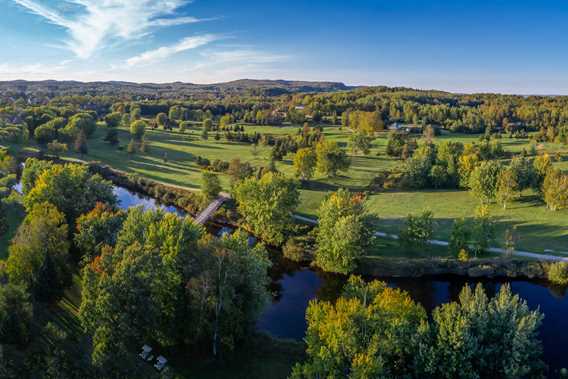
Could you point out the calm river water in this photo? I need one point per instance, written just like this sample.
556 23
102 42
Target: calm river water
294 286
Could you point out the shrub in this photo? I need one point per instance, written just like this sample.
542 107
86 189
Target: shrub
463 255
295 250
558 273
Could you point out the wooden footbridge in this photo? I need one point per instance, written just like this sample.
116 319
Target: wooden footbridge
204 216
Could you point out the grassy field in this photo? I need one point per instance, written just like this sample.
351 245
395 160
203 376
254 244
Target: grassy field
171 159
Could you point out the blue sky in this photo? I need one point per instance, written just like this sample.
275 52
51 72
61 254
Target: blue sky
466 46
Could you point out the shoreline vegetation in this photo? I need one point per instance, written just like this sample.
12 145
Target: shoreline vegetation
383 267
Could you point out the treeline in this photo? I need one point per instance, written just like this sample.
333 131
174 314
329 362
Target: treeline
484 168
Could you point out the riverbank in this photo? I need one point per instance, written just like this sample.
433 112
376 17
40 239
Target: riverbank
374 266
511 268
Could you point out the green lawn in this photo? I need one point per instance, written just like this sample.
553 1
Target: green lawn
537 227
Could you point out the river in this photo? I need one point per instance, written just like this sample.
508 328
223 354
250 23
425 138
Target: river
294 286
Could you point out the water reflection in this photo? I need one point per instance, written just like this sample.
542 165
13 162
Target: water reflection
128 199
285 318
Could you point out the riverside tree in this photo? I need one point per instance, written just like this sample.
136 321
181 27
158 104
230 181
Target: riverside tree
96 229
210 185
418 230
39 253
266 205
145 270
478 337
70 188
341 232
373 331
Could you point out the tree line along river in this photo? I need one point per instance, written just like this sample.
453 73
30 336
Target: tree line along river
294 286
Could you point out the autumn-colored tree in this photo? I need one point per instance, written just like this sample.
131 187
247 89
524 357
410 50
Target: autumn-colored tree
305 163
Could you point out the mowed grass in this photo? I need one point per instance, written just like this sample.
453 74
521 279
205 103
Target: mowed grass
172 154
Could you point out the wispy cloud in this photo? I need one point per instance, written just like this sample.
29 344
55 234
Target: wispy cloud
164 52
36 68
249 56
101 21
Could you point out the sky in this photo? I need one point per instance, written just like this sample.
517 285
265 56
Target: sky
507 46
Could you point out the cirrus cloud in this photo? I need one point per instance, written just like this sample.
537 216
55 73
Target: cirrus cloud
99 22
164 52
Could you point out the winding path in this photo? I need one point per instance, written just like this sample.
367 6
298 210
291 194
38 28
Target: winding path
495 250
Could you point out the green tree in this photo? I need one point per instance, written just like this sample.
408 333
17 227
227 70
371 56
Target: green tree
341 233
16 314
81 122
507 188
71 188
331 158
555 190
81 144
558 273
39 253
266 205
483 181
177 112
460 237
360 142
482 230
138 129
210 185
229 294
32 170
225 121
145 270
96 229
418 230
113 119
239 171
162 119
478 337
305 163
56 148
371 331
45 134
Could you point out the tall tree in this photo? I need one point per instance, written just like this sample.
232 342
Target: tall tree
70 187
39 253
331 158
266 205
305 163
341 232
371 331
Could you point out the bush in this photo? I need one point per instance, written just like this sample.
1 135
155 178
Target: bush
296 250
558 273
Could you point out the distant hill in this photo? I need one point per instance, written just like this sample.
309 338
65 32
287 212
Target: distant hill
251 87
